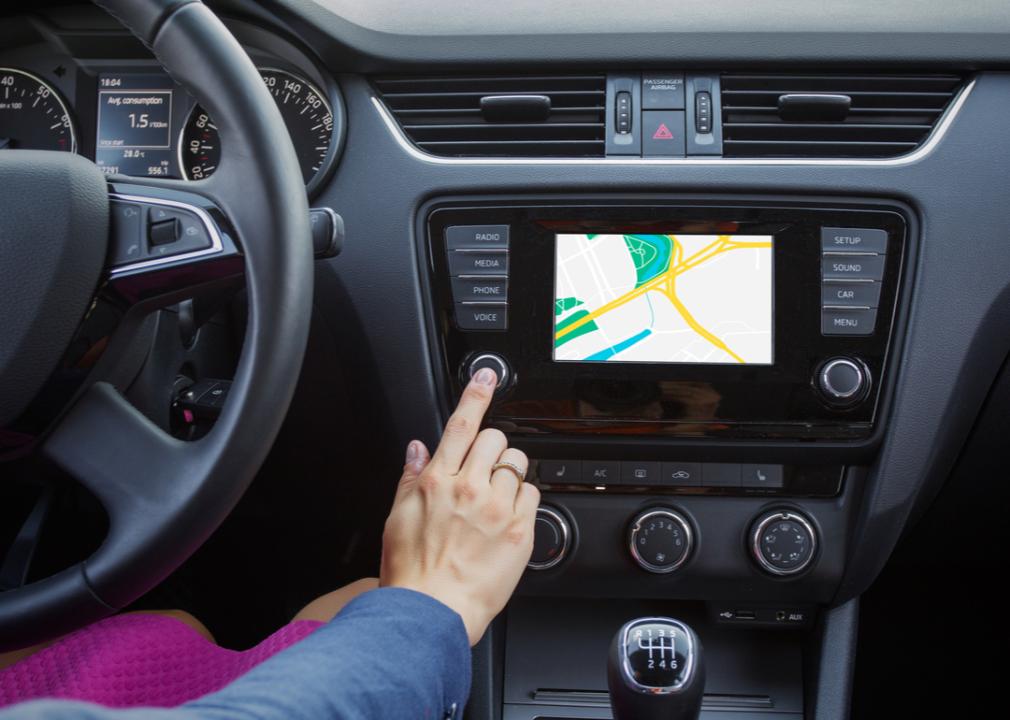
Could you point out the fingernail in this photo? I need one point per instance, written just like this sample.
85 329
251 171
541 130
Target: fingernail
485 376
413 451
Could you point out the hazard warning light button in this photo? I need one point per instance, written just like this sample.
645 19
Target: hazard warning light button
663 133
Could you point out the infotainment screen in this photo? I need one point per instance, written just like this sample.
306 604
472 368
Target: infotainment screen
677 298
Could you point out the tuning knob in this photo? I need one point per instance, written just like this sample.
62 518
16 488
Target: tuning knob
843 382
496 362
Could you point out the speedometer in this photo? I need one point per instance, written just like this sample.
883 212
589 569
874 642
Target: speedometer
306 114
32 114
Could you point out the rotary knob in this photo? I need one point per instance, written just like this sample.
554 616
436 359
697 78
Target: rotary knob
783 542
487 360
552 537
660 540
843 382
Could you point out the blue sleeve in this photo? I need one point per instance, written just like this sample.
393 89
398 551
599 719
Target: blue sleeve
390 653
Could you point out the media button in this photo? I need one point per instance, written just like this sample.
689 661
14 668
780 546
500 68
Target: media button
560 472
761 476
848 322
850 294
867 240
462 262
477 289
477 237
601 472
720 475
863 267
680 474
473 316
639 473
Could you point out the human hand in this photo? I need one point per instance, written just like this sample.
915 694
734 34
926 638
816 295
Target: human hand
457 531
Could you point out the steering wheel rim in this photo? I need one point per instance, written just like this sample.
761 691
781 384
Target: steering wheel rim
164 497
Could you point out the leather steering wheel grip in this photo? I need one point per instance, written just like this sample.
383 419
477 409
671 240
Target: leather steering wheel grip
161 515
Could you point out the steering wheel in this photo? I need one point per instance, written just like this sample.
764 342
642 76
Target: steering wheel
163 496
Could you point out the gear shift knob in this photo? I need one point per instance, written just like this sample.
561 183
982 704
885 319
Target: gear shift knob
655 671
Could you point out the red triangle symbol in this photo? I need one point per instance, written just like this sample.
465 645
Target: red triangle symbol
662 133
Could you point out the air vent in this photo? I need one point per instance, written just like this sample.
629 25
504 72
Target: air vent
529 116
828 115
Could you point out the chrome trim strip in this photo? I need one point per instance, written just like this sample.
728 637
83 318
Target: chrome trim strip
946 120
215 237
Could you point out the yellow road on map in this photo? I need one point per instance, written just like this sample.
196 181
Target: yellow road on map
666 284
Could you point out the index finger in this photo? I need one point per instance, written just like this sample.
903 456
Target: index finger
464 423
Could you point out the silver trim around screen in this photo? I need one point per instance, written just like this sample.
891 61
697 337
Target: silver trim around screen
946 120
215 237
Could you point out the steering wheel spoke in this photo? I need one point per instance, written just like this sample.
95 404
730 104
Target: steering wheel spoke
166 241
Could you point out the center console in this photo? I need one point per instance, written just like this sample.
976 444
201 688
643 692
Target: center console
699 383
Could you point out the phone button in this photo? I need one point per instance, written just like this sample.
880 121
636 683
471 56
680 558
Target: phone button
560 472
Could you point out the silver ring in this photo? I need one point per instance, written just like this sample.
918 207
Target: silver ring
506 465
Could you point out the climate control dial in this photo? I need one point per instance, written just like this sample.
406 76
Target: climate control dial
783 542
660 540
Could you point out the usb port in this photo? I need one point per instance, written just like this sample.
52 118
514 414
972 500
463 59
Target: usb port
744 615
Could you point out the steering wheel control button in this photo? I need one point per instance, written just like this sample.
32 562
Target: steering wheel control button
721 475
126 239
639 473
480 289
677 474
660 540
850 294
478 262
489 360
552 539
853 240
857 321
843 382
601 472
762 476
327 229
560 472
783 542
477 237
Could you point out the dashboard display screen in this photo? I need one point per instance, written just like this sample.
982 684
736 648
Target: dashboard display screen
677 298
134 124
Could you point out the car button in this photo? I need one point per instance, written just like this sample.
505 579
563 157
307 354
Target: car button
850 294
848 322
867 240
680 474
766 476
472 316
601 472
864 267
639 473
462 262
477 237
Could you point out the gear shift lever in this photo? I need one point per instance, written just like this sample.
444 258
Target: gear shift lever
655 671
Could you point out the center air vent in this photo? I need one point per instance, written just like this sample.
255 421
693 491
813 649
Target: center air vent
831 115
500 116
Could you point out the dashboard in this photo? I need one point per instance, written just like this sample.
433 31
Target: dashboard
745 285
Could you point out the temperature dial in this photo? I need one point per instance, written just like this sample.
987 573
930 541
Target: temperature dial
783 542
660 540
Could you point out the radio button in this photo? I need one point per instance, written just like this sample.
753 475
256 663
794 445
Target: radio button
601 472
481 317
560 472
850 294
863 267
761 476
720 475
477 237
867 240
477 289
680 474
848 322
639 473
478 263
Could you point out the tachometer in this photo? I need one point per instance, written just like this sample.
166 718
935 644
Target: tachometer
306 114
32 114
